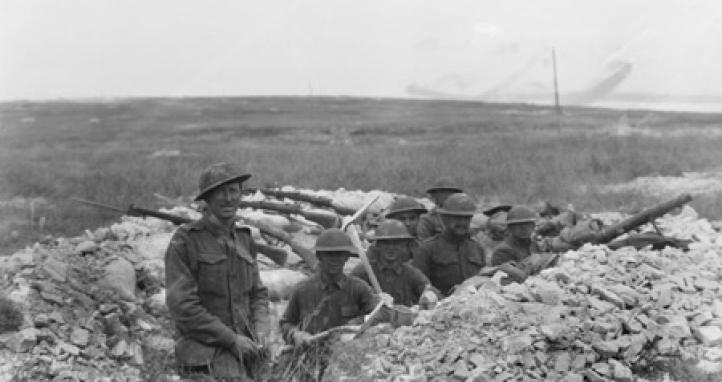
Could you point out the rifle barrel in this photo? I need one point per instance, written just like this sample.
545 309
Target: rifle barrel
96 204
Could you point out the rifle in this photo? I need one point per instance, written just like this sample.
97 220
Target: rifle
138 211
325 219
276 254
648 215
320 201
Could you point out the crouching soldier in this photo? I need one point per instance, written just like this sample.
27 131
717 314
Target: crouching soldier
518 255
406 284
214 292
452 256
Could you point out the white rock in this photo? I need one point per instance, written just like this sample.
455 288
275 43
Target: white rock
709 335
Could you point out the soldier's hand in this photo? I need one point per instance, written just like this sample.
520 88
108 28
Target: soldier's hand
387 299
244 345
301 338
428 300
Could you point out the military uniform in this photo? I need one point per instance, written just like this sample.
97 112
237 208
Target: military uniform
214 293
430 225
318 304
512 249
402 281
447 261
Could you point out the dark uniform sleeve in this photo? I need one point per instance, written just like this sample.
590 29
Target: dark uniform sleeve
502 254
183 302
419 282
422 260
360 272
291 317
259 299
365 297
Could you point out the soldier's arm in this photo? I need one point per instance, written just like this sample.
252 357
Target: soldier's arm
365 297
183 302
259 300
421 260
360 272
420 283
502 254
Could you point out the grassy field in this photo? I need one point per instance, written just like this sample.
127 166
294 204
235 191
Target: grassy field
117 152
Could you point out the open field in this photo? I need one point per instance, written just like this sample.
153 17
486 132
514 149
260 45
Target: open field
124 151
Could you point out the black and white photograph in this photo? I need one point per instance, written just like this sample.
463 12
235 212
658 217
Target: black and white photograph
352 191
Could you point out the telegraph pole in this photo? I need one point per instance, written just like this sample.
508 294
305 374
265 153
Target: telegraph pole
557 106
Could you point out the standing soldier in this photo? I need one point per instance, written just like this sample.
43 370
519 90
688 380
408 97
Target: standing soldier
452 256
430 224
407 210
328 299
406 284
215 295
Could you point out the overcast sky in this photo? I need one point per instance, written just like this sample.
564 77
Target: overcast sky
102 48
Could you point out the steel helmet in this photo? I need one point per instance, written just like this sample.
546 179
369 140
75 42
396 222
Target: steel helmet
391 230
444 184
335 240
458 204
405 204
217 175
520 214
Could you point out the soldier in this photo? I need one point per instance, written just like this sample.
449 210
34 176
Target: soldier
214 294
452 256
493 230
329 298
430 224
518 256
406 284
407 210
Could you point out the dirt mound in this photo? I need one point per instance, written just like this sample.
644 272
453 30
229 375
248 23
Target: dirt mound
599 315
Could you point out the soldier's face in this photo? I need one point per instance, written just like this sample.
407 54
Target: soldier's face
521 230
456 225
392 250
440 196
331 263
410 220
223 201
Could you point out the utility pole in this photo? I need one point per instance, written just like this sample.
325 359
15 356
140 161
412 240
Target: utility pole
557 106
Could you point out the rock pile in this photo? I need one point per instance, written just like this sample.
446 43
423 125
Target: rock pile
93 306
599 315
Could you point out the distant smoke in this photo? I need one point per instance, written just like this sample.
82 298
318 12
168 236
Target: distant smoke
605 86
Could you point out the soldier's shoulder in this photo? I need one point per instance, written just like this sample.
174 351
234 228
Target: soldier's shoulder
429 240
356 283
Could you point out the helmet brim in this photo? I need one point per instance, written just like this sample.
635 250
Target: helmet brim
444 188
521 221
496 209
341 248
236 178
419 210
443 211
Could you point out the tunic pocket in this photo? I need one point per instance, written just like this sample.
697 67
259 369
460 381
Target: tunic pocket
213 273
